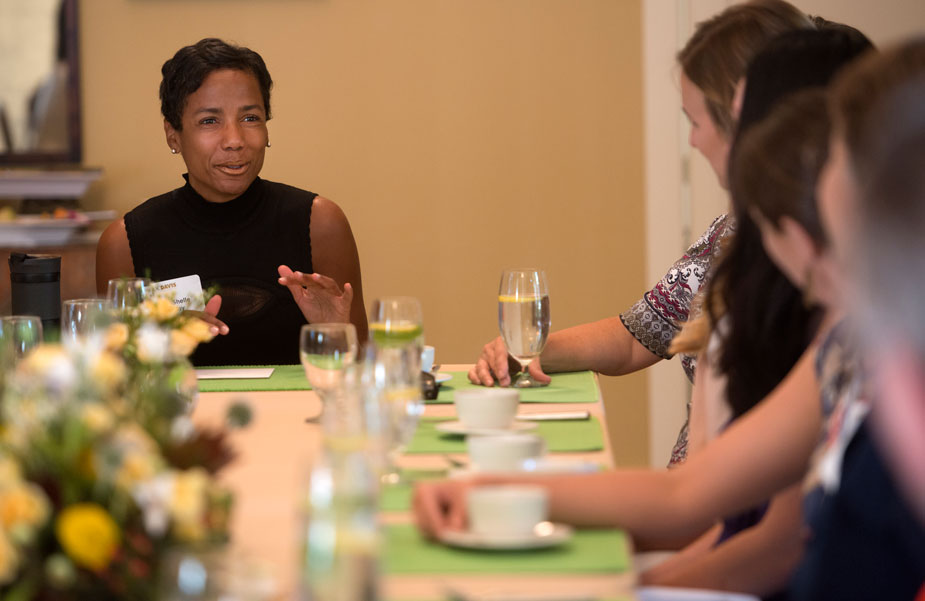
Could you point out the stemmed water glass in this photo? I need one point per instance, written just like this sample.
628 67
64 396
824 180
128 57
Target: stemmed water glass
327 351
396 329
18 335
125 293
523 318
82 318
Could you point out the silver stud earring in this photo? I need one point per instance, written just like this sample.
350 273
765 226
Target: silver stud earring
173 151
268 143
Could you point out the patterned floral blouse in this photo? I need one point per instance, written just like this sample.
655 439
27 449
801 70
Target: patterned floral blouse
659 314
845 404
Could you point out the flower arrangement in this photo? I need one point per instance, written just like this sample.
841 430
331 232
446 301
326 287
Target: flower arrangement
102 472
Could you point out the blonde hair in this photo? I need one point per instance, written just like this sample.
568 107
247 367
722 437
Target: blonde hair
717 55
693 337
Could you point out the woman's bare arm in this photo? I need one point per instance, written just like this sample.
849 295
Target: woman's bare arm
759 560
334 254
763 452
604 346
113 256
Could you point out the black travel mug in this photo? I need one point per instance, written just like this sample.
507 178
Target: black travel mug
35 285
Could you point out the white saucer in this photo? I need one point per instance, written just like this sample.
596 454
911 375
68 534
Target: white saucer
460 428
548 535
440 378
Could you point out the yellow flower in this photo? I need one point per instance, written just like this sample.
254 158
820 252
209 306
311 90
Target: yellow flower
88 535
9 471
137 466
182 344
43 358
108 370
198 329
132 435
23 505
116 336
51 365
188 503
139 458
97 418
161 308
119 407
9 559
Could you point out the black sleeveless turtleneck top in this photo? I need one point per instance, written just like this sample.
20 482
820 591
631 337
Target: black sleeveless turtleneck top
235 246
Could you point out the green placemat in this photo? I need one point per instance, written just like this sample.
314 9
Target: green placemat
575 387
589 551
397 497
561 436
285 377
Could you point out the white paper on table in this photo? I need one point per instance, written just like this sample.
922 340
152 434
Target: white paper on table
244 373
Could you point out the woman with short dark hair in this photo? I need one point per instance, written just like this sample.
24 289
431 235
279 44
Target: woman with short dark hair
261 243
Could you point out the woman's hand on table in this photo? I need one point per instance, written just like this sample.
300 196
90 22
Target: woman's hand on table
440 506
495 364
319 297
209 315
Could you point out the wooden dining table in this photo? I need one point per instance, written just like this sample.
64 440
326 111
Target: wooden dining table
270 475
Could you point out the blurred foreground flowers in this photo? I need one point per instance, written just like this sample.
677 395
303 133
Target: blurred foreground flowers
101 470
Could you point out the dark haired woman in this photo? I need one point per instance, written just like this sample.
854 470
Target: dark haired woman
280 256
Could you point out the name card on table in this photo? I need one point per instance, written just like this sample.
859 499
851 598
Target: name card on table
185 292
244 373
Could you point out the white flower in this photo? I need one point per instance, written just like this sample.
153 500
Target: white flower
182 429
153 344
154 496
53 366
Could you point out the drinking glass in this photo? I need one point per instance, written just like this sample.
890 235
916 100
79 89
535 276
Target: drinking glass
190 574
395 373
125 293
397 321
327 350
18 335
523 318
82 318
396 326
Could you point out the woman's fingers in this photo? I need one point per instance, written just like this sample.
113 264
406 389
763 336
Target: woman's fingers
492 365
208 315
439 506
536 370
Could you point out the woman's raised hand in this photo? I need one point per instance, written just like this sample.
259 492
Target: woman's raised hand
319 297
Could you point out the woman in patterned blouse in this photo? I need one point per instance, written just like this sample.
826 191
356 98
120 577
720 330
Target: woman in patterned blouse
712 63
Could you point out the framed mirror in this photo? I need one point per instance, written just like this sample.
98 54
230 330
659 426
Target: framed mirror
40 89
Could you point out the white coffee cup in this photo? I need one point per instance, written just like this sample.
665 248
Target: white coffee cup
486 408
427 358
504 452
510 510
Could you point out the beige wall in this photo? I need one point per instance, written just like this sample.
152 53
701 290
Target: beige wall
460 137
